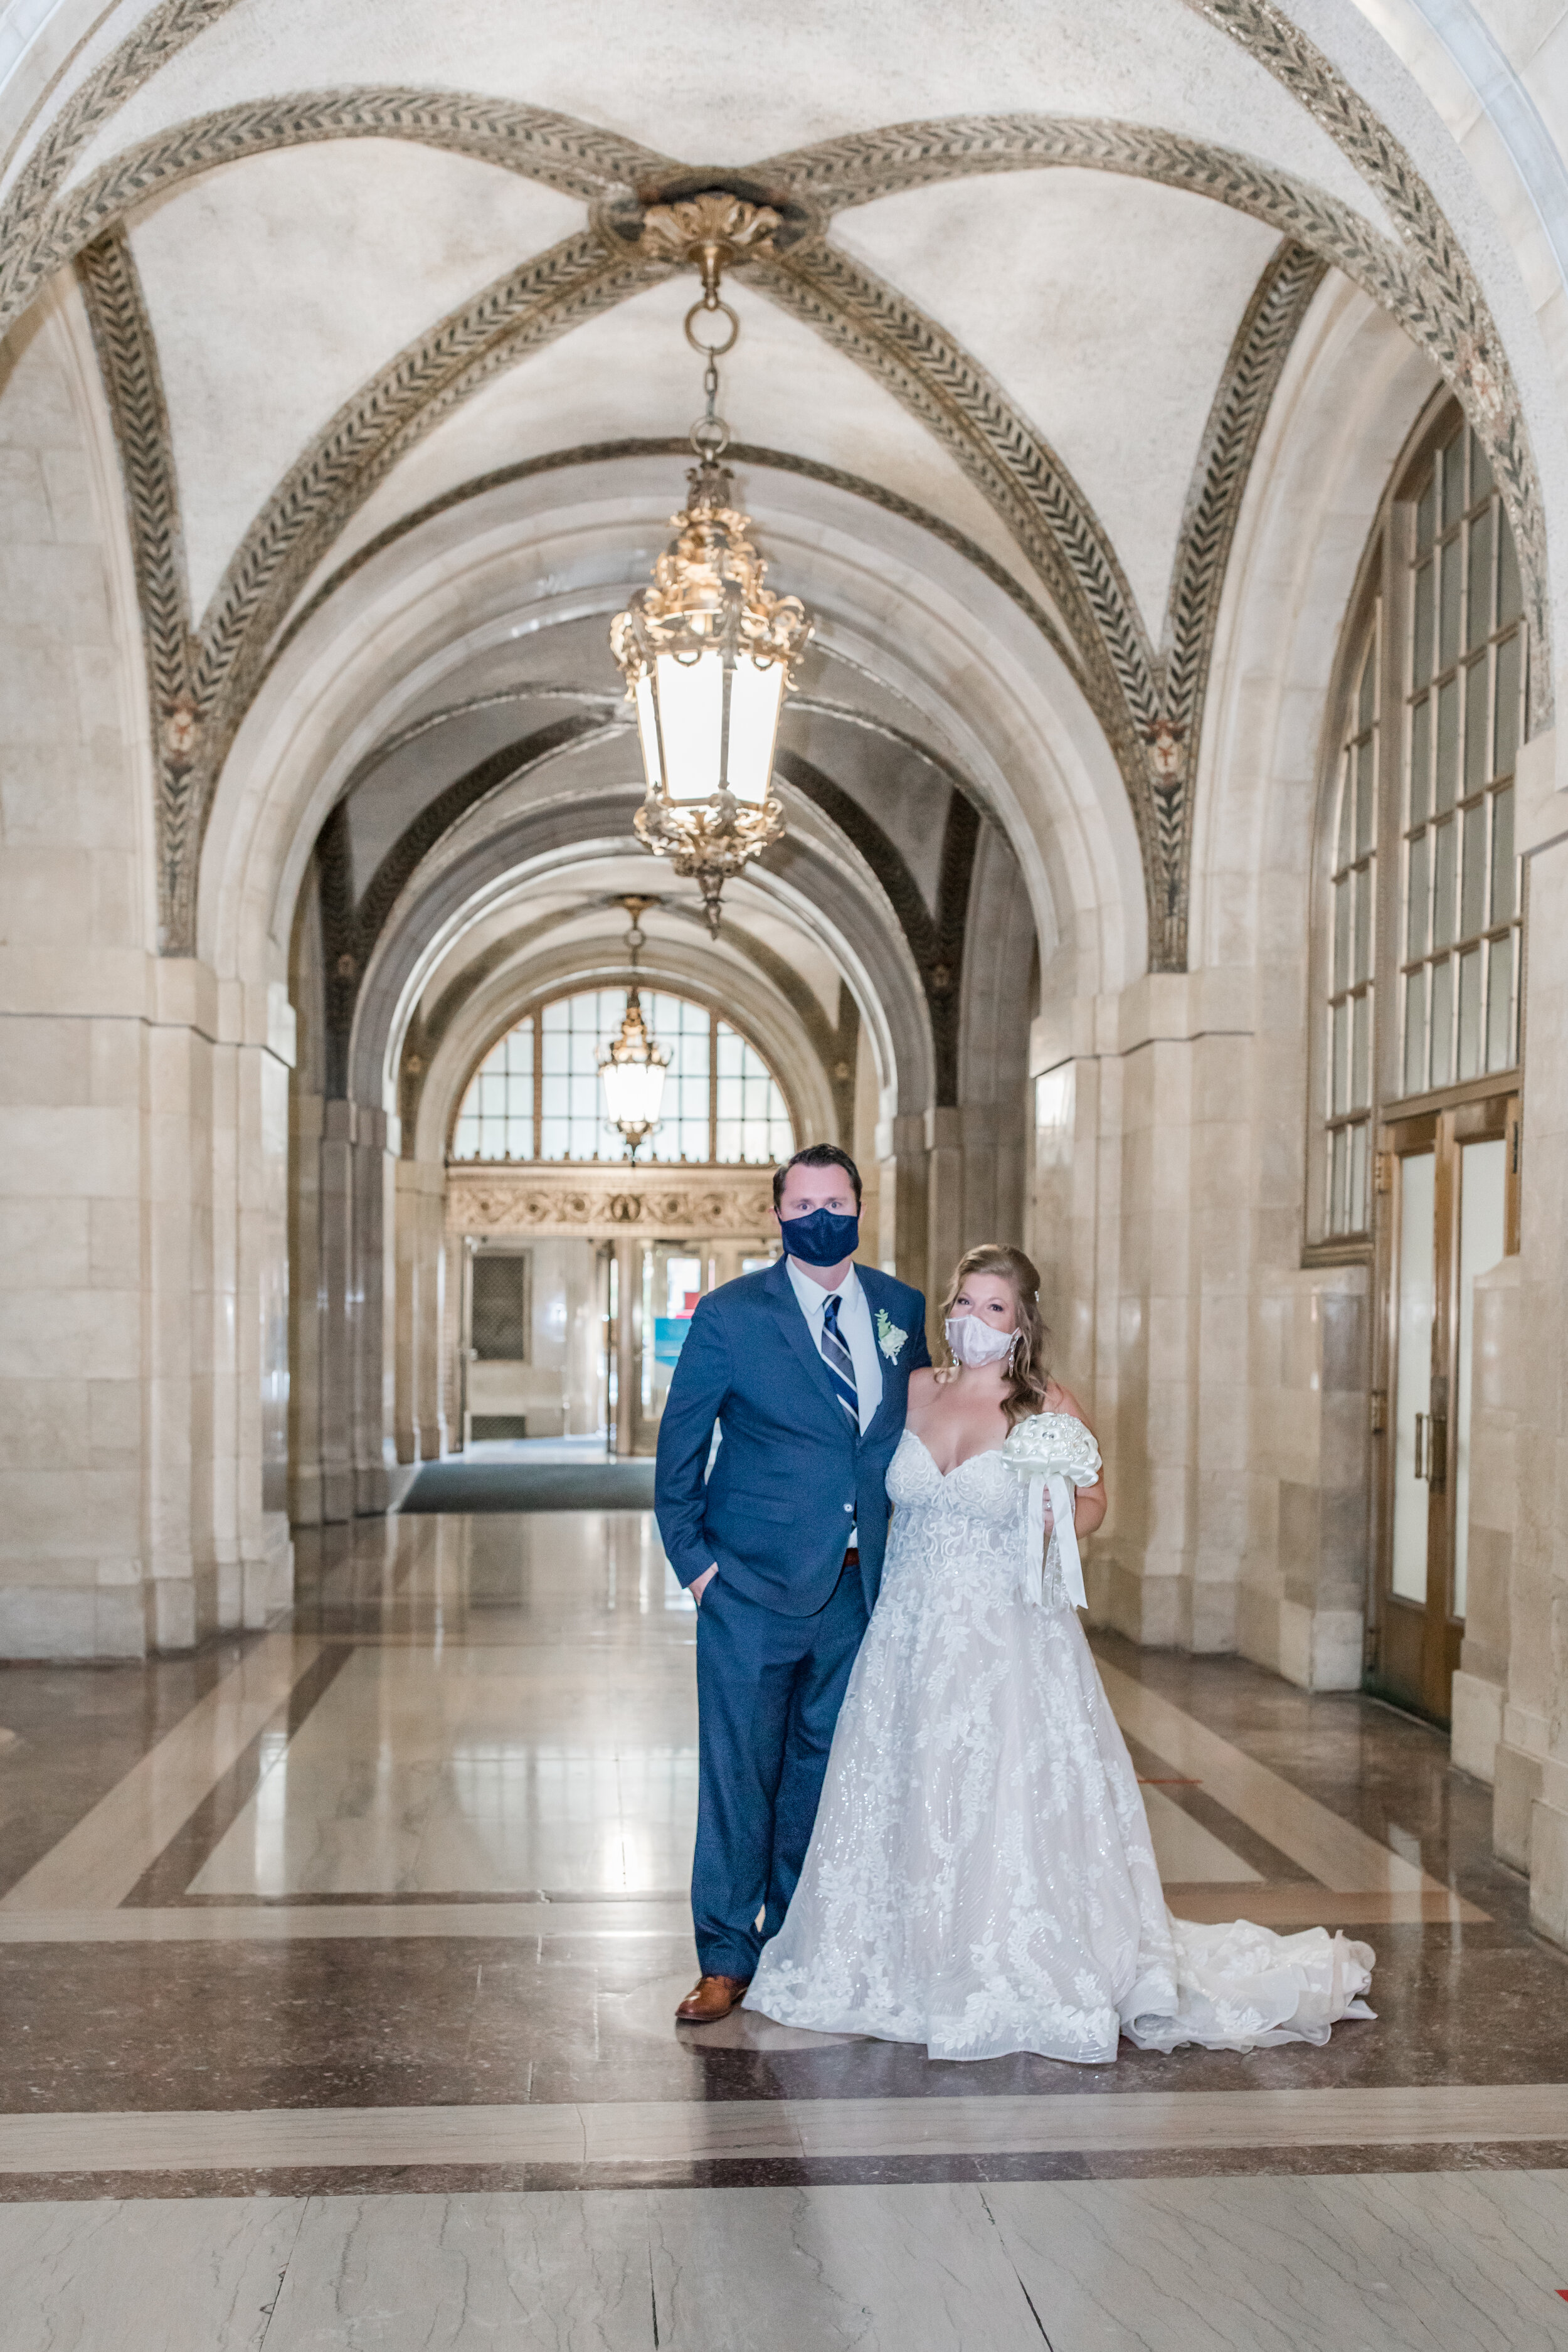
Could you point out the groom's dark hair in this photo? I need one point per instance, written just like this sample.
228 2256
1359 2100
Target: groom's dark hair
817 1155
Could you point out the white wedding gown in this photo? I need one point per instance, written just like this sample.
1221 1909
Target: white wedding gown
981 1876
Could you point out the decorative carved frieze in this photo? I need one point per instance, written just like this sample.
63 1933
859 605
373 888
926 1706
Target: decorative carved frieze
600 1203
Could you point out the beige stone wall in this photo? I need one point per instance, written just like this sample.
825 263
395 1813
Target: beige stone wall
1531 1811
73 1050
142 1161
1229 1386
1480 1685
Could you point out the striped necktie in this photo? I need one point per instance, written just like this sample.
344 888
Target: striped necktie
839 1361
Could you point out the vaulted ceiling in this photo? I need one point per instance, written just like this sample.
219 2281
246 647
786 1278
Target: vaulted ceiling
367 284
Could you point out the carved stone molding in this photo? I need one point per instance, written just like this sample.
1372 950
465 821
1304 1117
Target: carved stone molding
128 359
741 453
1445 310
1149 703
352 928
26 256
936 943
575 157
601 1202
1252 370
228 654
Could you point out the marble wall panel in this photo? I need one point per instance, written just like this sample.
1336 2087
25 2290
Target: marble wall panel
1531 1789
127 1377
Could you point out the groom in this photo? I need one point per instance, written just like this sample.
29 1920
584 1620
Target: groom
806 1367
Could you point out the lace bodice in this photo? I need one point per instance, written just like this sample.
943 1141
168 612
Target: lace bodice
983 1484
973 1518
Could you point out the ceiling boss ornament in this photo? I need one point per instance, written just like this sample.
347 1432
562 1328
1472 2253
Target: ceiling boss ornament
707 652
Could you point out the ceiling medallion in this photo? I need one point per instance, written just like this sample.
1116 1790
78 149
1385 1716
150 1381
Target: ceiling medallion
707 652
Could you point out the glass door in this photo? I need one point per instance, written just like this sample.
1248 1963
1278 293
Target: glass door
674 1276
1449 1181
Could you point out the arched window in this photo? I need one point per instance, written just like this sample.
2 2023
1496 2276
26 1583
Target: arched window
1416 946
1354 886
537 1095
1466 699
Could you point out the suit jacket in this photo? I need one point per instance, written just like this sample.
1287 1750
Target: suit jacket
793 1475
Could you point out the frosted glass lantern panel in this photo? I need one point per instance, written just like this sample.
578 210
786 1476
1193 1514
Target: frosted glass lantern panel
633 1091
648 732
755 692
691 711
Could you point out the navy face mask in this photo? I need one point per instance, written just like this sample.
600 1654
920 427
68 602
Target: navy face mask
823 1238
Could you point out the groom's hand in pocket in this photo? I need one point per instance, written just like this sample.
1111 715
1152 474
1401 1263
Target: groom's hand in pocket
700 1584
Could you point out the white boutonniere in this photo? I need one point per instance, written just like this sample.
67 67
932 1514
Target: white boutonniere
889 1338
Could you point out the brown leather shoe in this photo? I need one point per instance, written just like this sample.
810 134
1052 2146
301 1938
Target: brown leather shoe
711 1999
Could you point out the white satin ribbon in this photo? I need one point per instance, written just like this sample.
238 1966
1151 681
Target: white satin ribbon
1062 1501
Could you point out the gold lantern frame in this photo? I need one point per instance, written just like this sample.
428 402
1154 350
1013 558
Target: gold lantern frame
634 1053
708 650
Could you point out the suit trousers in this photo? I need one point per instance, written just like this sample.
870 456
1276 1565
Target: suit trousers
769 1689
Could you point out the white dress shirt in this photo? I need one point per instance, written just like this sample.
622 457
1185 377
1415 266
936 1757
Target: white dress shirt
854 1323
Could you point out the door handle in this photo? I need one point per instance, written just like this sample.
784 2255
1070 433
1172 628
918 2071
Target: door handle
1438 1451
1432 1449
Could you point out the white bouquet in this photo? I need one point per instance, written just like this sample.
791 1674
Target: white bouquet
1052 1449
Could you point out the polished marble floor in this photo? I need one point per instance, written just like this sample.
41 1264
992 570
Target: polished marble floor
337 1966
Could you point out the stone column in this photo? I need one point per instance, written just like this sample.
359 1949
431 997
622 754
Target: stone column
1496 1380
307 1275
904 1230
177 1209
1144 1242
420 1256
628 1314
1302 1607
372 1229
1531 1793
335 1430
944 1201
266 1549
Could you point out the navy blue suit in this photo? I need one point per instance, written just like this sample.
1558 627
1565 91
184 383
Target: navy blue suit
778 1627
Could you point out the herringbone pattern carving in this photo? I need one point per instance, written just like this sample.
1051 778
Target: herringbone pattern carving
163 33
226 660
1445 310
1257 356
128 357
1150 704
571 156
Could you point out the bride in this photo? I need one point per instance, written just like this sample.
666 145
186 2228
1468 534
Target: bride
981 1876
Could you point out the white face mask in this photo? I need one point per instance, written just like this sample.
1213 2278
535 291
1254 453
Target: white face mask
975 1343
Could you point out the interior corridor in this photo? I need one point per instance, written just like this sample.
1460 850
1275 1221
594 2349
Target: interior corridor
592 597
318 1946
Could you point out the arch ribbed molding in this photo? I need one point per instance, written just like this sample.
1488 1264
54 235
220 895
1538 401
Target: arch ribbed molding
1149 701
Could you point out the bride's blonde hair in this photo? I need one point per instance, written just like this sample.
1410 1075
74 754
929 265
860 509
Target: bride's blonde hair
1029 1368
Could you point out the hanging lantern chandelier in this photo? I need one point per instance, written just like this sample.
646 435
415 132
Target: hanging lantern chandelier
707 652
632 1067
